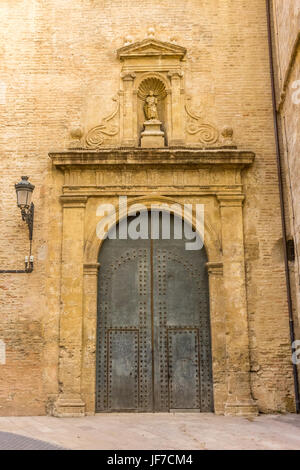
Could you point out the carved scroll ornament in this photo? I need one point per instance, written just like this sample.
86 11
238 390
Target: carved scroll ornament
206 133
95 136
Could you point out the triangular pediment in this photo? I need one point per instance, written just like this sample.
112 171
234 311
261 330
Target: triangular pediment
151 47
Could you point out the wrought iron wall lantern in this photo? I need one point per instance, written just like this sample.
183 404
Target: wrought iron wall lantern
24 190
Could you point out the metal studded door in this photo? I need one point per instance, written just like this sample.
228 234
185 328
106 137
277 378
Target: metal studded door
153 351
124 350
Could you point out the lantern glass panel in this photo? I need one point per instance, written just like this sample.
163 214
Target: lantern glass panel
24 197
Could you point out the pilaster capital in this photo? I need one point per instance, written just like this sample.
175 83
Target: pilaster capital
214 268
72 202
175 74
231 200
128 76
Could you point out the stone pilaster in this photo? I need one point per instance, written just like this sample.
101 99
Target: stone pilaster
239 399
88 377
69 401
128 120
217 320
177 136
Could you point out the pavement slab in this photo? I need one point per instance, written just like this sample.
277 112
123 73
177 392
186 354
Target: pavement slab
153 431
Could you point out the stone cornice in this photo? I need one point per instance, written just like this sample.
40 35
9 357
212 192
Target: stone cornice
165 157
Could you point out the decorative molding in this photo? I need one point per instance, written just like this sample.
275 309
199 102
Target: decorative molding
151 47
128 40
95 137
153 83
76 134
165 157
91 269
206 133
227 136
159 190
151 32
128 76
152 74
214 268
175 74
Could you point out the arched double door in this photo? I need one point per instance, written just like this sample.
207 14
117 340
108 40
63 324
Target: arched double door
153 333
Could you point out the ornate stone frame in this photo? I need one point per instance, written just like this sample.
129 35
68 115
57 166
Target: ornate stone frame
226 269
163 61
182 124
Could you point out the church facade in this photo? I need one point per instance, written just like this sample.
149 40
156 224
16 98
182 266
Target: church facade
116 109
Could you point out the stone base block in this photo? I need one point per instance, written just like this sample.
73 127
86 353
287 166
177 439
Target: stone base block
152 142
152 136
247 409
68 408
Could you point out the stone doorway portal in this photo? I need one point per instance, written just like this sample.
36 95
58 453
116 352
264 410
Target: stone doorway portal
153 330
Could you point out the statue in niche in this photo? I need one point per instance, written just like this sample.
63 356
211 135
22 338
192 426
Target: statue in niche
150 107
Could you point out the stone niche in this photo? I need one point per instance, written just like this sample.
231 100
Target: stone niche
152 72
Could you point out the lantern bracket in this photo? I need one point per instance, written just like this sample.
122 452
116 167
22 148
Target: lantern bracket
24 191
28 216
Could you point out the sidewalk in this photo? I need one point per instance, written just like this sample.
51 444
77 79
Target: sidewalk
158 431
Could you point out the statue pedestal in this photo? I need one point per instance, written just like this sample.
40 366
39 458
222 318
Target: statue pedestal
152 136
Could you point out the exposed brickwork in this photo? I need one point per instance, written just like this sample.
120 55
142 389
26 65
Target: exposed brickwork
59 67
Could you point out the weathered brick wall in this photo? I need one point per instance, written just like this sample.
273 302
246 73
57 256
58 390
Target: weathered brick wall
59 67
287 41
286 18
